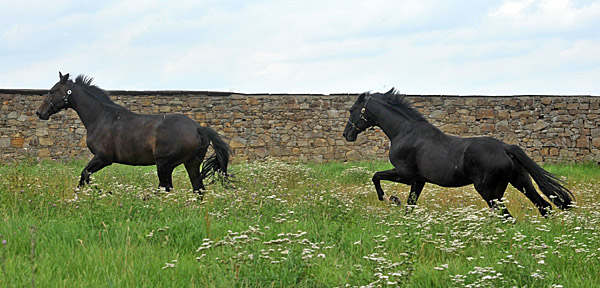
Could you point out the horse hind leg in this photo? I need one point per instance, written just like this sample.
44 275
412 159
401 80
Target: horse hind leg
522 182
415 192
192 167
413 196
492 193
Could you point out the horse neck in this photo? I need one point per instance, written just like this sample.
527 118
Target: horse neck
89 109
394 124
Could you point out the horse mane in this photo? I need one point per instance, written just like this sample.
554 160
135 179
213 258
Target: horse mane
403 106
93 90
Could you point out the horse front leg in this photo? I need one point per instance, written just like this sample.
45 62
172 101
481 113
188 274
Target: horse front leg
389 175
93 166
165 174
383 175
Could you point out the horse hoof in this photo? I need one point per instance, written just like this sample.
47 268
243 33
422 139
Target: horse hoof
395 200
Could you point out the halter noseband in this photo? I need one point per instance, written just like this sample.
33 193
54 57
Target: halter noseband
64 99
362 115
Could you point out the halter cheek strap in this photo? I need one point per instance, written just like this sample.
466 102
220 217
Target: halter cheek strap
364 109
64 99
362 115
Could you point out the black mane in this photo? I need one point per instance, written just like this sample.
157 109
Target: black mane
93 90
403 105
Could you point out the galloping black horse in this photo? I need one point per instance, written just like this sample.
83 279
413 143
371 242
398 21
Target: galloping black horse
422 153
117 135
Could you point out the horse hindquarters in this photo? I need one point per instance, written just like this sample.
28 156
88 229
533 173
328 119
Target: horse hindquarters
176 143
216 162
192 166
490 170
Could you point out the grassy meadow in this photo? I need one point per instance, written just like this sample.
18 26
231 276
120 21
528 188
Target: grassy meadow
284 225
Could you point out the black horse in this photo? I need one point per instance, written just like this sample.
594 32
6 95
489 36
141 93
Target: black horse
422 153
117 135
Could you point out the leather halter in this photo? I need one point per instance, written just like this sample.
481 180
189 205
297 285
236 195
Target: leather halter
362 115
64 99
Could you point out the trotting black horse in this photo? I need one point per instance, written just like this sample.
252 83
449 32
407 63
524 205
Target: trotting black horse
422 153
117 135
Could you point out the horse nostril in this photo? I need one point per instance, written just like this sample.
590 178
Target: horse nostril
37 113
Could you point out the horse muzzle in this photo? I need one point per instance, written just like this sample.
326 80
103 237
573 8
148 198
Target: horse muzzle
41 115
350 136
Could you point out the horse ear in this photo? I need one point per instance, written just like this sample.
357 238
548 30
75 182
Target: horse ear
361 97
63 78
391 92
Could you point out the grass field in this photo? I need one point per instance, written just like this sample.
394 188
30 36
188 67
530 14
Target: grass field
284 225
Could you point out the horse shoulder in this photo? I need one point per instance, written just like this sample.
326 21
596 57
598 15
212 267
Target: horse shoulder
403 155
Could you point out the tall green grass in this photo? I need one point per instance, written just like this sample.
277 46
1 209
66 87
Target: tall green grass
283 225
581 172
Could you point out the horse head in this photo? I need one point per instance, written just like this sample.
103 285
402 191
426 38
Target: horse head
57 98
360 118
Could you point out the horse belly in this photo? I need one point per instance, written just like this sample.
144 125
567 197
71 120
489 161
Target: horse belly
456 182
446 176
139 160
140 154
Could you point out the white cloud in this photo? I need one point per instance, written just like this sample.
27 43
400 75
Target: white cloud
547 14
419 46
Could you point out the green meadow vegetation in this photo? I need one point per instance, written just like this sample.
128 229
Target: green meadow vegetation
284 225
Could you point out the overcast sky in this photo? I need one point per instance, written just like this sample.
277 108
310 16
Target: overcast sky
420 47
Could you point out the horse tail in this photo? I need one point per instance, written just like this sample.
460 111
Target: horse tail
548 183
219 160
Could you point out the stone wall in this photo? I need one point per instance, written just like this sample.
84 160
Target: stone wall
309 127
